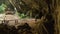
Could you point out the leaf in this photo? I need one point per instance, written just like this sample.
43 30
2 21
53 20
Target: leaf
2 8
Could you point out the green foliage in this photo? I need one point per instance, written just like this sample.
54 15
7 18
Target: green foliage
23 15
2 8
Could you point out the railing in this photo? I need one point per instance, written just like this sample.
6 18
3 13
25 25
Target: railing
7 21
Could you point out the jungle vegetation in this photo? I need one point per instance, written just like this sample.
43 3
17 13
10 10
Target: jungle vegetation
33 9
